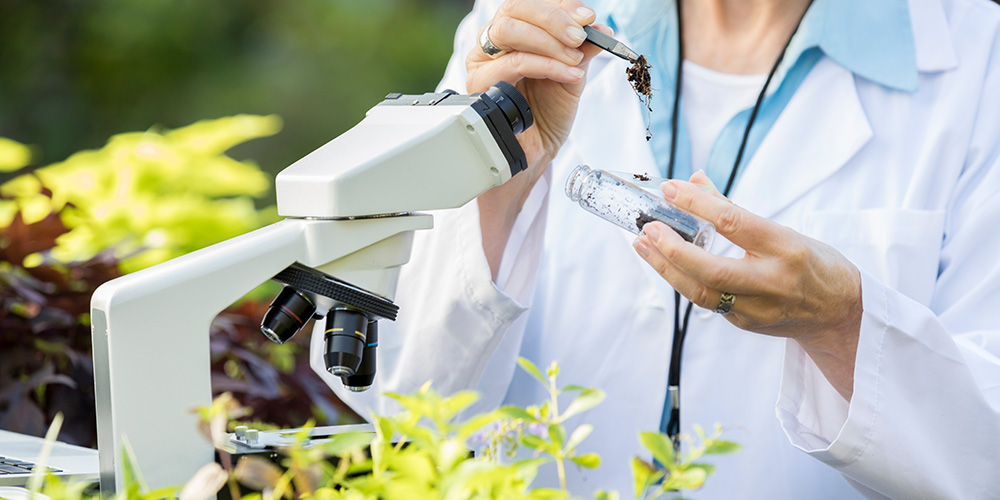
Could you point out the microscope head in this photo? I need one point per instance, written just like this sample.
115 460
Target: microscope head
411 153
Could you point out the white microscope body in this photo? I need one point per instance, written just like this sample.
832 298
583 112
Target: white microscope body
349 209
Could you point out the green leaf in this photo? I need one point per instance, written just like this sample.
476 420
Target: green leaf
606 495
133 481
644 475
686 479
546 494
708 468
532 441
578 435
344 444
166 493
411 463
575 388
532 370
659 445
718 447
589 460
587 399
13 155
35 482
469 427
515 412
557 433
457 402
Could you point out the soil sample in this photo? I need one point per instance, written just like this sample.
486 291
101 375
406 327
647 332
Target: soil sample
638 76
641 177
642 220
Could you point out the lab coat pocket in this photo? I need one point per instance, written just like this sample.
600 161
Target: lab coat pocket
899 246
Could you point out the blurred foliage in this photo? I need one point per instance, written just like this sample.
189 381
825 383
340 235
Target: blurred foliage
45 361
149 196
428 451
75 73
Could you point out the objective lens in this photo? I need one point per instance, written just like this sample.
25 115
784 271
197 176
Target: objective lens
513 105
288 313
364 376
345 338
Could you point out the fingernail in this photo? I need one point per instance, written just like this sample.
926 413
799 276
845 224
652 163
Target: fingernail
640 247
584 13
669 190
575 72
574 54
576 34
652 230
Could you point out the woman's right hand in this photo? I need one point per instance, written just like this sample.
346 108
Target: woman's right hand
545 57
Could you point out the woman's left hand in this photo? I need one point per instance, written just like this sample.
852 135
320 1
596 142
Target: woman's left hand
786 285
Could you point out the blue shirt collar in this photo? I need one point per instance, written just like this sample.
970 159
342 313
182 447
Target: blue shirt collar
871 38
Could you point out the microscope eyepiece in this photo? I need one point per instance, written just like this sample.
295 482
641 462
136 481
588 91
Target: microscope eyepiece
513 105
288 313
346 337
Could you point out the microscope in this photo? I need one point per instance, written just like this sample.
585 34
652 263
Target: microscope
351 209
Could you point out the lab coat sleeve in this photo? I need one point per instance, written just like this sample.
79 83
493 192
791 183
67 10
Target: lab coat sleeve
924 419
456 327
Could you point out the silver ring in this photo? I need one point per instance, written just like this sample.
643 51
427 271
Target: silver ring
726 302
486 44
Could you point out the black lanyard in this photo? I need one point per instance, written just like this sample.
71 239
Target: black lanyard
671 423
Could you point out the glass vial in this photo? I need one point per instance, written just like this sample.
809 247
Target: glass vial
631 207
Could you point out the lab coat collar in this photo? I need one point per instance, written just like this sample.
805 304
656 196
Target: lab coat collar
932 36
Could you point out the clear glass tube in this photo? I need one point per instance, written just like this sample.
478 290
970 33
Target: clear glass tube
631 207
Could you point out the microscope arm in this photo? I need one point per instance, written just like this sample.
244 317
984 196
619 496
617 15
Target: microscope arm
151 357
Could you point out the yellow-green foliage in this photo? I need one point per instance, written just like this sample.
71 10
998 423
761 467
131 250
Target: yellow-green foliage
423 453
151 196
13 155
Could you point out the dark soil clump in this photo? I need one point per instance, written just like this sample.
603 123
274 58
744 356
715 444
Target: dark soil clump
641 177
638 76
642 220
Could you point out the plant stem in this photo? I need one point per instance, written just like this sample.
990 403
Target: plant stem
556 418
561 468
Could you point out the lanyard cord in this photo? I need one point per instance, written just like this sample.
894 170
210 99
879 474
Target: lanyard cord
672 424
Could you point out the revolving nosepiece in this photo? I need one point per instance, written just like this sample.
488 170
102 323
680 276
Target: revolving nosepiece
288 313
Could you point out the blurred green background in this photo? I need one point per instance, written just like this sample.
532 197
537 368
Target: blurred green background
73 73
82 76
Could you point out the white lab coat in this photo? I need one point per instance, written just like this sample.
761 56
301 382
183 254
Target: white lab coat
902 184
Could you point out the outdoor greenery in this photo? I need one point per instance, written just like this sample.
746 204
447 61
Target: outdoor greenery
426 452
143 198
73 74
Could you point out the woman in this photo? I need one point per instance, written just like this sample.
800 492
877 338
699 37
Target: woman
859 245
